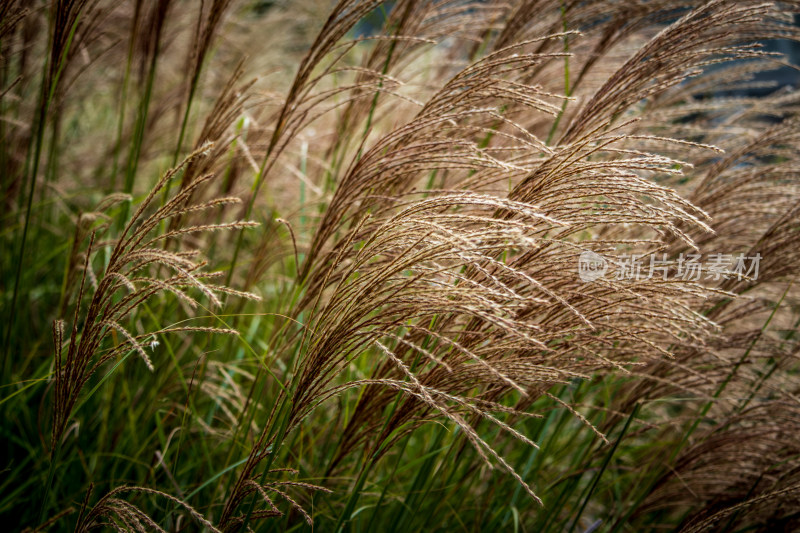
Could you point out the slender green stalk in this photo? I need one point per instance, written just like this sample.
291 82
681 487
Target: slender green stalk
47 93
124 96
603 467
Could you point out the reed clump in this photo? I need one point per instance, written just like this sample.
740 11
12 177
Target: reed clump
330 272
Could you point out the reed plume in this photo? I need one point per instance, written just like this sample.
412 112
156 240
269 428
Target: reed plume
416 345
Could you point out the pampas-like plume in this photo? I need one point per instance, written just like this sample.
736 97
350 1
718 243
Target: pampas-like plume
132 256
465 294
460 162
744 468
113 508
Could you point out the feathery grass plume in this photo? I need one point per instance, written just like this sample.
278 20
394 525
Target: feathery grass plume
568 162
744 470
11 13
309 98
673 56
216 133
298 103
150 33
208 22
70 20
426 356
111 511
301 104
132 257
407 32
465 293
749 194
262 491
754 206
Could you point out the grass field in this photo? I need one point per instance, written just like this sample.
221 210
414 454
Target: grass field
418 265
